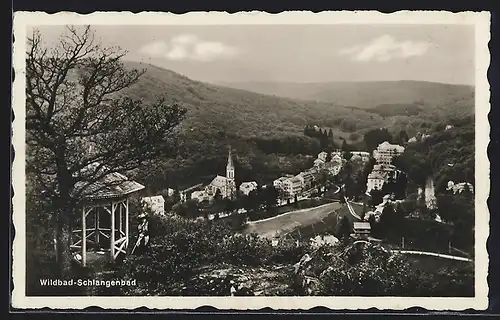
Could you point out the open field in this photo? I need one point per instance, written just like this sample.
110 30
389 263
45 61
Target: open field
287 222
302 223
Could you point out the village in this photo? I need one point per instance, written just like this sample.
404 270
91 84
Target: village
310 183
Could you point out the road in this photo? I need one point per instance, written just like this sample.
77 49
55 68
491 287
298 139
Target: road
433 254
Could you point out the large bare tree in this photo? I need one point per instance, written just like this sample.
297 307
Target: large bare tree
80 126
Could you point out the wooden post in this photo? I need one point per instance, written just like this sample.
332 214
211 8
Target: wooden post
403 242
96 213
126 222
84 237
112 245
120 224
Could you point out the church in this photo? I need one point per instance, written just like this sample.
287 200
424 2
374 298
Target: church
226 185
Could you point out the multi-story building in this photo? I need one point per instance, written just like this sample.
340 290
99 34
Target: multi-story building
385 152
375 181
307 179
293 186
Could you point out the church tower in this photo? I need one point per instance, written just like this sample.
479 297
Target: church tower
230 167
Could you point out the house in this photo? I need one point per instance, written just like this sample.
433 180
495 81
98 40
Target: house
337 157
375 181
318 162
319 241
155 203
448 127
363 155
322 156
333 168
386 151
247 187
187 192
201 195
361 229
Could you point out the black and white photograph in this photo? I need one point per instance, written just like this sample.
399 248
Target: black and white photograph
184 160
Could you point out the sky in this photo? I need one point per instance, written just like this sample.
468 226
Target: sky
298 53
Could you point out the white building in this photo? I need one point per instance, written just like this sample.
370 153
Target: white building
201 195
247 187
337 157
278 183
363 155
293 186
155 203
448 127
318 162
307 179
375 181
386 151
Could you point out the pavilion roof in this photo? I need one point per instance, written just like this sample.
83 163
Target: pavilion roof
112 185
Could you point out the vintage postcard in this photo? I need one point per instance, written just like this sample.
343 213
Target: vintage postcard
251 160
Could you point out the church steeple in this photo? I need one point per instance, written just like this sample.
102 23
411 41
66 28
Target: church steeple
230 166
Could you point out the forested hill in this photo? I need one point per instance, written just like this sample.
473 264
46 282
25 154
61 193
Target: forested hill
265 132
367 95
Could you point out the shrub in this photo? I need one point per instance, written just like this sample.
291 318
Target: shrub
246 249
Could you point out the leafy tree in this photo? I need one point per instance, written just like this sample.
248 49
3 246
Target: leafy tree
217 195
387 220
188 209
345 229
80 127
252 201
375 137
403 137
376 196
328 156
345 146
270 197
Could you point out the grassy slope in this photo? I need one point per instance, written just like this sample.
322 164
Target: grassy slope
244 113
366 94
289 221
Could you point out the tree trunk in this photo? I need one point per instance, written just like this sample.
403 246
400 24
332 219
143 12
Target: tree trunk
63 245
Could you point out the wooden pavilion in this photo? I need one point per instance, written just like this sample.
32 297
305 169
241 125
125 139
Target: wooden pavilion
103 225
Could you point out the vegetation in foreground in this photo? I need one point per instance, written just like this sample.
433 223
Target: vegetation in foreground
190 257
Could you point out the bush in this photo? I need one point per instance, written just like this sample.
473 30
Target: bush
246 249
287 251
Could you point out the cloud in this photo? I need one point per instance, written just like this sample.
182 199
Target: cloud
386 48
189 47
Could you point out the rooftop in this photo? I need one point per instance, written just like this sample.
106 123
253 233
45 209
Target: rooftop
113 185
